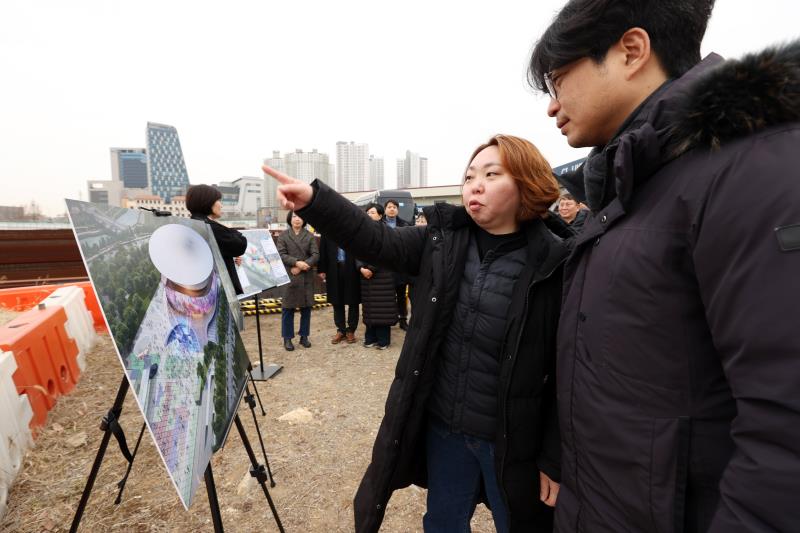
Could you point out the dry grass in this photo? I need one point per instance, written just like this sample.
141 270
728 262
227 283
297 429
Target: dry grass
6 316
317 465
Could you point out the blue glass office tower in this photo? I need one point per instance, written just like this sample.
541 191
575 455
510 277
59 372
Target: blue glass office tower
129 165
166 170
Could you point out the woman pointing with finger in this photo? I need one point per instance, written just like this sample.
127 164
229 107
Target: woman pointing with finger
471 411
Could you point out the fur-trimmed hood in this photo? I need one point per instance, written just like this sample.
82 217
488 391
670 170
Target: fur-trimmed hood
713 103
739 98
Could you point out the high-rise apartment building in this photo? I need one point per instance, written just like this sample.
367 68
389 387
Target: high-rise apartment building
166 170
401 173
129 165
412 171
271 186
375 172
308 166
352 166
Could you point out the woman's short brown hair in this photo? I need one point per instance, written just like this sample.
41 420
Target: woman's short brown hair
537 186
200 199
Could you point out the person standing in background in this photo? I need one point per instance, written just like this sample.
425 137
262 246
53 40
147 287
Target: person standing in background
205 203
343 286
298 250
377 296
391 219
570 212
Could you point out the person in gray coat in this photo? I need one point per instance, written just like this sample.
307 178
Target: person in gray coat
299 252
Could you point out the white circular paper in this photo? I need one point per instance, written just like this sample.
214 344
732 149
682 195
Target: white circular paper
181 255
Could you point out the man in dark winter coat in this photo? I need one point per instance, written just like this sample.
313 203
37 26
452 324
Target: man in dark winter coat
343 287
679 358
391 219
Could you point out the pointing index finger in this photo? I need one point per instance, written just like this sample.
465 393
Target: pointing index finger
280 176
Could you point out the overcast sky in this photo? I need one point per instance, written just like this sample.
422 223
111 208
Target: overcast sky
240 79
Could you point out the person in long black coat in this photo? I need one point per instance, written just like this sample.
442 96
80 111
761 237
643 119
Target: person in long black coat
391 219
205 203
679 355
473 402
343 286
379 308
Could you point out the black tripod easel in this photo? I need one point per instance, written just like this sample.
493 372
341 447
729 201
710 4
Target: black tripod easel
253 381
262 373
110 426
251 403
130 457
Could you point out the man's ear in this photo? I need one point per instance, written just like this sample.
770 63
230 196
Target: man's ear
634 49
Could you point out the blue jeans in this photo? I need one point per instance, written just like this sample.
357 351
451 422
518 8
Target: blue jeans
457 464
380 335
287 322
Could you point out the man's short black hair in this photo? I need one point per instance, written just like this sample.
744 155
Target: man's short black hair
588 28
200 199
387 202
289 219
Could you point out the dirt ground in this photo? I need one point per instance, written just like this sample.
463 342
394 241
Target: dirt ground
317 464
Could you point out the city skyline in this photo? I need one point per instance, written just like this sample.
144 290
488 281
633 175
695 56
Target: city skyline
216 80
130 180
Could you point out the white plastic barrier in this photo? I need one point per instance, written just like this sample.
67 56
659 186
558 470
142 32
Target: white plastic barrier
80 325
15 435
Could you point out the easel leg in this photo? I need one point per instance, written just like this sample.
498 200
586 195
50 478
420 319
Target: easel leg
115 411
257 471
213 502
262 373
258 333
248 398
124 480
253 381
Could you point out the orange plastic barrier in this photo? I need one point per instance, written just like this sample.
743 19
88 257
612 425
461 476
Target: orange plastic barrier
93 305
24 298
46 358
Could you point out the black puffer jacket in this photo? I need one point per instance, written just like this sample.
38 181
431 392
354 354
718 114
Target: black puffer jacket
378 305
679 357
465 395
527 436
